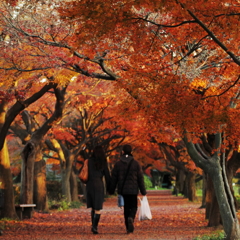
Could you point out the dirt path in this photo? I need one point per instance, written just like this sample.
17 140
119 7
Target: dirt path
173 218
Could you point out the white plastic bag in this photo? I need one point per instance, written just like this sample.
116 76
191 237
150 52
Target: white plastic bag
144 212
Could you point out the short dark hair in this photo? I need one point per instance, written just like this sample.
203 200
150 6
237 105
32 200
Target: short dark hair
127 149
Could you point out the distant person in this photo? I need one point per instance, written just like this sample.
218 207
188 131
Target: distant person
97 168
127 176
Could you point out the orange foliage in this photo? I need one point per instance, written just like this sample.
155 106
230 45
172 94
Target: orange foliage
159 34
167 68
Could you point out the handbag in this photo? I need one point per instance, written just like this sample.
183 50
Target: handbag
145 212
83 175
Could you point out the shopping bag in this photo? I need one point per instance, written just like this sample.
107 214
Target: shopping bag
144 212
120 201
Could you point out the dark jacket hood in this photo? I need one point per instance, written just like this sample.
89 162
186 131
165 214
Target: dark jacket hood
126 158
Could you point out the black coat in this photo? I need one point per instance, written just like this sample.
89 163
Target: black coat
95 185
134 180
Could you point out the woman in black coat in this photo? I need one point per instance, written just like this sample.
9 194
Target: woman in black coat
97 168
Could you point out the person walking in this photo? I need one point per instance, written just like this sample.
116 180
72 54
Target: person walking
97 168
127 176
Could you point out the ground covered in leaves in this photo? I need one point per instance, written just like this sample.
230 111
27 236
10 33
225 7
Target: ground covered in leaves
173 218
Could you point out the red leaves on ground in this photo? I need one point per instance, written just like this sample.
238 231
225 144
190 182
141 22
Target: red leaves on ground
173 218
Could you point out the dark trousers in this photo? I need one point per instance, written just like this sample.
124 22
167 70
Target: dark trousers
130 207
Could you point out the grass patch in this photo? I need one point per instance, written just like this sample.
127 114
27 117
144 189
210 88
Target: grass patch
64 205
157 188
6 223
214 236
147 182
199 192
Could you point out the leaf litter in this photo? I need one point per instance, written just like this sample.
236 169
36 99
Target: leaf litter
174 218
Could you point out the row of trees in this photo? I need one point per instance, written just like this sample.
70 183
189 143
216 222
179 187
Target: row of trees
176 60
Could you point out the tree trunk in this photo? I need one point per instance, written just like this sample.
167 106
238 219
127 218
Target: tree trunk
5 173
227 209
211 165
233 164
6 185
40 188
66 174
209 196
214 219
28 156
32 153
191 186
204 191
181 181
66 190
74 186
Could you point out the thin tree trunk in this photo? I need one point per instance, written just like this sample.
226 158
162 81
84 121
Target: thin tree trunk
74 186
209 196
204 190
191 186
27 177
6 185
40 188
66 190
181 180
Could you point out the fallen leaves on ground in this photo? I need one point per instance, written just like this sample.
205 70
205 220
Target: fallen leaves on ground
173 218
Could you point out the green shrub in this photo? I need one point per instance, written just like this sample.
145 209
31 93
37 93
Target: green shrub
199 192
238 200
63 204
214 236
4 223
147 182
60 205
75 204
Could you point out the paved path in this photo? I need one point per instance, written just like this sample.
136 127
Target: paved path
173 218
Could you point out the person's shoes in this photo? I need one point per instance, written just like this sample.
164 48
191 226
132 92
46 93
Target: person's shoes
130 225
92 216
96 218
94 230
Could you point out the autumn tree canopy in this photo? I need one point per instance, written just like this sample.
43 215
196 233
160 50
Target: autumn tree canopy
177 60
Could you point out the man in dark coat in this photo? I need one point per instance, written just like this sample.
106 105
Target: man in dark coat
127 176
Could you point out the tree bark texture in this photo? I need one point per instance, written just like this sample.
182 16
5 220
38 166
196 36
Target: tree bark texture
33 152
74 187
40 188
66 190
209 196
6 185
27 177
191 186
229 218
204 191
212 166
214 218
